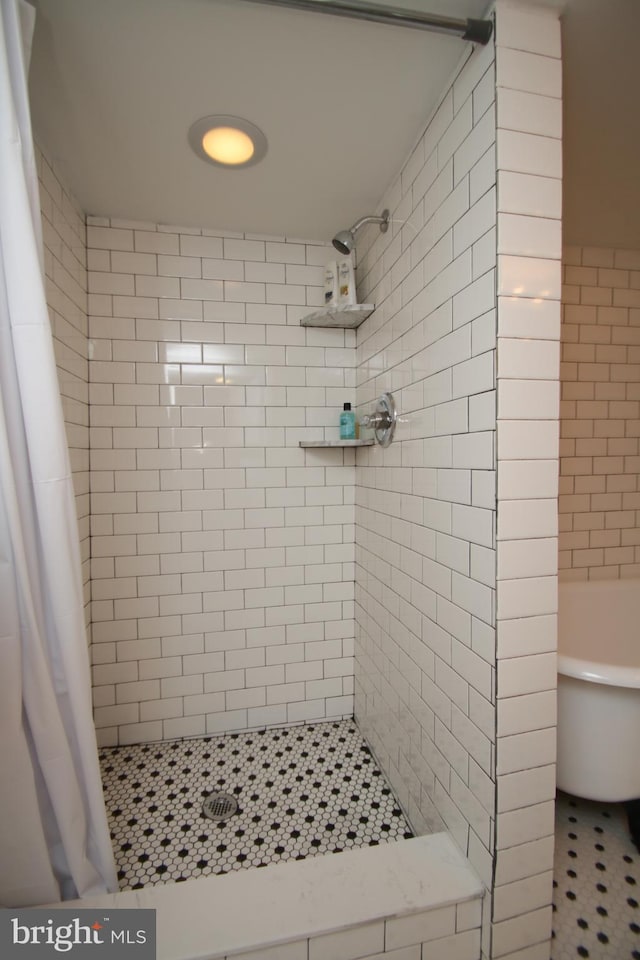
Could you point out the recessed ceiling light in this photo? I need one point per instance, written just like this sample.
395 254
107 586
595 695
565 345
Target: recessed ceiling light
227 141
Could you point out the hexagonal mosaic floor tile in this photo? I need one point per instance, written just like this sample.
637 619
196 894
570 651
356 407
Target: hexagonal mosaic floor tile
300 791
596 885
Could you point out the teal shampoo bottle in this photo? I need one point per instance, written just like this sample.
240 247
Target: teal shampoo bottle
347 423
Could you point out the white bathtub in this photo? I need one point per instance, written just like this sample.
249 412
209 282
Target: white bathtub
599 689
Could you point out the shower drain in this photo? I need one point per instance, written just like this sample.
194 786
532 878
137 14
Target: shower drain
220 806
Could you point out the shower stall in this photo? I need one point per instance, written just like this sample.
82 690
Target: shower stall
246 572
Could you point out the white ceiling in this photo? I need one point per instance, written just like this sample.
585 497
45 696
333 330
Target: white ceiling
116 84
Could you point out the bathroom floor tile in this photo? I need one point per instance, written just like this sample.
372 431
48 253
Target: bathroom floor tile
301 791
596 885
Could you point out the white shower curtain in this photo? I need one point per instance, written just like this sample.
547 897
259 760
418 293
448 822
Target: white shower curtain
54 840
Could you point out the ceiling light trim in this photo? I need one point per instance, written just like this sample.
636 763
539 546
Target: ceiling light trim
201 127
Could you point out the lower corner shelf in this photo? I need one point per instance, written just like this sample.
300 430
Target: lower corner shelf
336 443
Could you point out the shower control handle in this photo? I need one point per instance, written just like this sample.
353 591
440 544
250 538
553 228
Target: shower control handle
377 421
383 420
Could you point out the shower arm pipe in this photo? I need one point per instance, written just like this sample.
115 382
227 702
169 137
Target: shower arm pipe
383 221
476 31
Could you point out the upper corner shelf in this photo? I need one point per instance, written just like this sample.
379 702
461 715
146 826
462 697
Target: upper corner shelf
347 316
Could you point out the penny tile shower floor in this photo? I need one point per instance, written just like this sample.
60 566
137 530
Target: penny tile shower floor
596 885
301 791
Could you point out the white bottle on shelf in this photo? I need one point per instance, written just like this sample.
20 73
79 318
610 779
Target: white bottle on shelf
331 284
346 282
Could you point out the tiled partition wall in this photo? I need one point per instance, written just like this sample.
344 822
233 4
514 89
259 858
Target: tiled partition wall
463 715
65 267
448 933
600 414
222 552
529 116
425 505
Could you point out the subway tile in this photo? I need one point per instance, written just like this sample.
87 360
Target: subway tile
527 558
525 750
201 289
111 283
192 246
529 113
528 153
135 306
297 950
474 300
137 691
527 519
282 252
484 93
473 224
530 398
522 712
529 277
519 790
530 72
109 238
459 946
150 242
174 266
528 359
203 703
223 270
534 196
147 286
216 313
528 930
524 860
264 716
427 926
348 944
243 292
532 30
455 133
244 249
527 479
627 259
516 898
529 236
527 439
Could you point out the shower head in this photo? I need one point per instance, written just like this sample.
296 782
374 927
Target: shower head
345 240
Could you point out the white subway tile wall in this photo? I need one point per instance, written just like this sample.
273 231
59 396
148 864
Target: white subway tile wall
223 553
65 268
425 506
480 196
446 933
600 415
529 274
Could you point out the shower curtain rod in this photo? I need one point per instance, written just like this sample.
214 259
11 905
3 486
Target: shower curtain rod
477 31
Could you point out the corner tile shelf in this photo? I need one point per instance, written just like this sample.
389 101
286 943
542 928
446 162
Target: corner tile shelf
336 443
348 317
